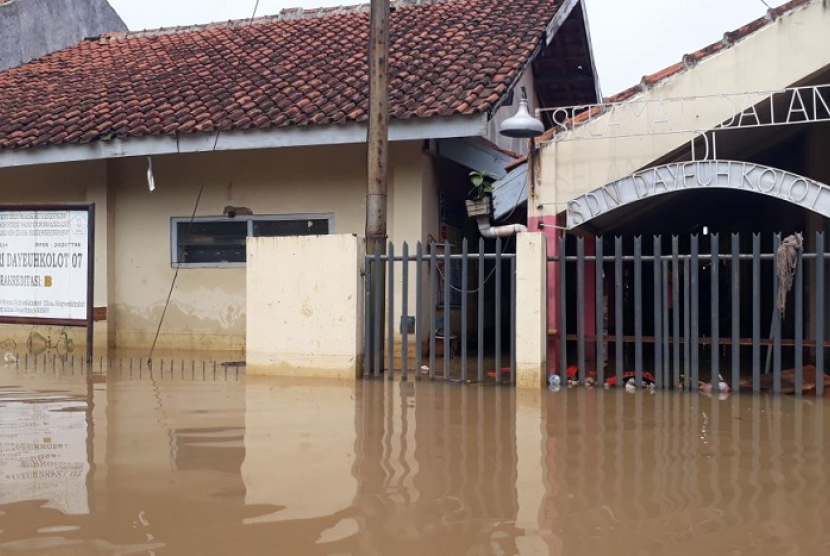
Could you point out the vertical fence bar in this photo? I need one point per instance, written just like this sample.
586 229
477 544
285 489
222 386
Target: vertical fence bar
618 309
419 312
736 313
756 313
819 314
390 325
563 310
776 320
378 325
695 317
664 274
405 312
658 311
513 312
638 311
599 320
480 319
465 254
687 323
675 292
498 310
799 325
715 313
433 290
580 307
447 304
367 309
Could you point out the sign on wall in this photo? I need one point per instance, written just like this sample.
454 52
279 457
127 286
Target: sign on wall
47 265
44 260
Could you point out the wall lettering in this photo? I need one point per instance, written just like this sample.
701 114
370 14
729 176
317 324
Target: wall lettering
722 174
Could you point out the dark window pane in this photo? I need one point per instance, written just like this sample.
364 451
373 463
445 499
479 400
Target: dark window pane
212 242
276 228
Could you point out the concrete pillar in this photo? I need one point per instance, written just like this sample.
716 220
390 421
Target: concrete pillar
99 192
531 301
305 306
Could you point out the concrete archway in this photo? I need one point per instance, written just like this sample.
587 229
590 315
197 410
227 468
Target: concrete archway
700 175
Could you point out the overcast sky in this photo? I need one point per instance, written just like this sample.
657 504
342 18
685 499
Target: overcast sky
631 38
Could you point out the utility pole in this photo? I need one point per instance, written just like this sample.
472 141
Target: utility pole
378 139
377 143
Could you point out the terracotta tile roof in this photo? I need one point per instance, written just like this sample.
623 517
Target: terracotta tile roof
688 62
456 57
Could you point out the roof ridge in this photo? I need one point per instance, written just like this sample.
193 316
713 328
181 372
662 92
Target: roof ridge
286 14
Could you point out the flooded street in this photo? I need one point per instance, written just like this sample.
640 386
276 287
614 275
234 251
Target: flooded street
247 465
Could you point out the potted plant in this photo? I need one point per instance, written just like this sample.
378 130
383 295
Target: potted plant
480 202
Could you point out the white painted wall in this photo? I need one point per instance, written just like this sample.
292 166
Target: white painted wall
207 309
305 306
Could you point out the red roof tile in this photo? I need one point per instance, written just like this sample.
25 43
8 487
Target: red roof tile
456 57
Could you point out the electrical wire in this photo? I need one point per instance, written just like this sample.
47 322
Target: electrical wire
517 203
219 129
190 225
175 278
487 279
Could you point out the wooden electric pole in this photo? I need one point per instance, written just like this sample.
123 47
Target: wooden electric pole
378 139
377 161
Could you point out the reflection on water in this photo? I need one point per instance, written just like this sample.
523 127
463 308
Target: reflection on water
185 465
43 449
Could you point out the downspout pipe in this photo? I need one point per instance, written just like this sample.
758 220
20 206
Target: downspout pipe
490 232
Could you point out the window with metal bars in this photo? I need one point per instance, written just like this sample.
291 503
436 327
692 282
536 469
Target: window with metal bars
219 242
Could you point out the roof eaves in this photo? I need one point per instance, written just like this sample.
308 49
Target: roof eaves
242 140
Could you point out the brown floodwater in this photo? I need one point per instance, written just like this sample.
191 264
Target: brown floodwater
192 464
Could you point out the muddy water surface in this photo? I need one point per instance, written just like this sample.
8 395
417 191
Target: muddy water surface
236 465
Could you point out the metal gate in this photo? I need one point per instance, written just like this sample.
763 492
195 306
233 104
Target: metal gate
692 313
441 313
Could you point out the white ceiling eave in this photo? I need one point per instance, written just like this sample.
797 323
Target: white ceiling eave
305 136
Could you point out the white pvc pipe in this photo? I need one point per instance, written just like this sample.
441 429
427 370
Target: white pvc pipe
488 231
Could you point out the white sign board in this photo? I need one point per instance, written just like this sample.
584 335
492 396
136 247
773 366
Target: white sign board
44 264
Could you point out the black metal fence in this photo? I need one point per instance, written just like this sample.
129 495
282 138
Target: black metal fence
700 321
463 321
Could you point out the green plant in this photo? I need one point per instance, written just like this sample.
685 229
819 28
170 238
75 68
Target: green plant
482 184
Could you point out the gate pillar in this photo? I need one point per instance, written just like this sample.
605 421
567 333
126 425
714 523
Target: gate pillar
531 303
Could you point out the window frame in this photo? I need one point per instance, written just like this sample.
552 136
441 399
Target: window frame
249 219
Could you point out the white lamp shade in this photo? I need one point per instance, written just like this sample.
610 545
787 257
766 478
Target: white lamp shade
522 125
